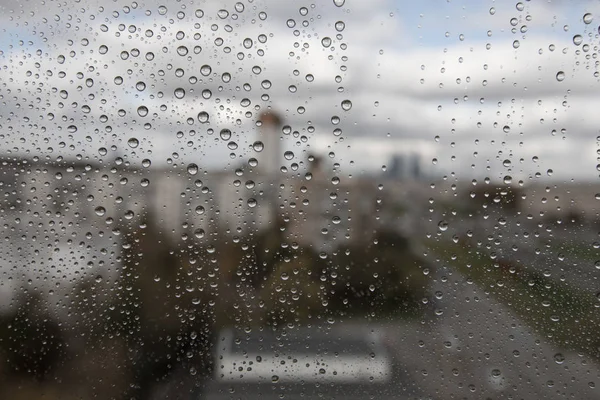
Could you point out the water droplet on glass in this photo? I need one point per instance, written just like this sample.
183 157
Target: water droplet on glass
225 134
252 203
559 358
288 155
560 76
100 211
346 105
587 18
326 41
179 93
577 40
258 146
339 3
182 50
223 14
443 226
192 169
203 117
133 143
205 70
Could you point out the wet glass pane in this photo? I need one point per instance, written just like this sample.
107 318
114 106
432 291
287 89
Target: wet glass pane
276 199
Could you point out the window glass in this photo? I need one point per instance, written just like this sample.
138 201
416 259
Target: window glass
299 199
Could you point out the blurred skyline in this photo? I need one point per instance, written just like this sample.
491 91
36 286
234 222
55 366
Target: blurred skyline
444 81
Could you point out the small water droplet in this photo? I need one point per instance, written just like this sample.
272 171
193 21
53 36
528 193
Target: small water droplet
443 226
560 76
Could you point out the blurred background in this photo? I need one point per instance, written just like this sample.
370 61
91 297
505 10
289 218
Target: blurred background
400 199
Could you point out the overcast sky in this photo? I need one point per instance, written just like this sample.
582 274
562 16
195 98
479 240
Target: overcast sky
450 81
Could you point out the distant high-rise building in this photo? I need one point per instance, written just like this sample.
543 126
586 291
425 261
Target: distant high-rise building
396 169
415 167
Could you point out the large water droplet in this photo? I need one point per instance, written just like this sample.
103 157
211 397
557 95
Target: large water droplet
100 211
133 143
560 76
192 169
203 117
180 93
258 146
225 134
339 3
205 70
346 105
142 111
588 18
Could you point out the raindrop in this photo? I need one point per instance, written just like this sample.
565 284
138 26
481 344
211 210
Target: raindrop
133 143
223 14
100 211
443 226
577 40
182 50
199 210
258 146
560 76
559 358
205 70
252 203
225 134
339 3
588 18
142 111
140 86
179 93
288 155
346 105
339 26
326 41
192 169
203 117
